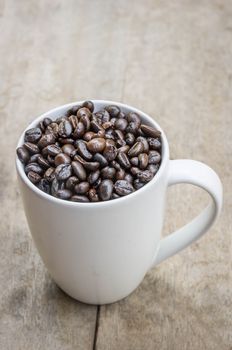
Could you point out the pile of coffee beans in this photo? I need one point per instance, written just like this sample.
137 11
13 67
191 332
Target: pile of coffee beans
91 156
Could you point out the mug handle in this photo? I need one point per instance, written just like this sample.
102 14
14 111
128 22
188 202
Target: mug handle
199 174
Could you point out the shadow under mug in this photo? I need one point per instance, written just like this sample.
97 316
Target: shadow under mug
100 252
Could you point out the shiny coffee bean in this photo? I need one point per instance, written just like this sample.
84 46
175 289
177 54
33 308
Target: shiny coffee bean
46 140
122 115
82 149
132 128
134 117
105 190
33 177
65 141
82 187
31 147
89 105
144 142
115 164
101 133
110 142
93 177
36 168
85 120
79 170
154 144
130 138
65 129
123 160
53 150
97 183
34 158
72 182
62 158
135 150
134 161
124 149
79 198
109 134
95 126
79 130
153 168
93 196
106 125
41 126
108 173
138 184
154 157
68 149
89 135
53 128
51 160
96 145
73 120
33 135
63 172
44 186
113 111
43 162
49 174
123 187
145 176
128 177
55 186
143 160
110 153
83 112
134 170
99 158
64 194
120 174
79 159
121 124
23 155
150 131
91 166
47 121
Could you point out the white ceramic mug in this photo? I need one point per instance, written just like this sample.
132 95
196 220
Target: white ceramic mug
100 252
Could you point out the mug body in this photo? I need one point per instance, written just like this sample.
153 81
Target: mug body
97 253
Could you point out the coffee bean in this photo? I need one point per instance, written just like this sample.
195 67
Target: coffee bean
82 149
36 168
66 141
49 174
123 160
145 176
122 115
63 172
91 166
89 105
115 164
64 194
133 117
108 172
41 126
53 150
93 196
43 162
123 187
121 124
96 145
109 134
85 120
65 129
135 150
95 126
98 157
79 198
73 120
55 186
110 153
44 186
128 177
46 140
144 142
62 158
83 112
106 125
97 183
113 111
31 147
89 135
102 116
79 159
79 131
132 128
82 187
101 133
105 190
60 119
79 170
150 131
51 160
154 157
47 121
72 182
120 174
124 149
33 135
153 168
143 160
130 138
93 177
134 161
23 155
33 177
110 142
134 170
138 184
68 149
154 143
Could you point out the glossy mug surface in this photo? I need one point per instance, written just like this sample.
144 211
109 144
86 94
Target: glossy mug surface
100 252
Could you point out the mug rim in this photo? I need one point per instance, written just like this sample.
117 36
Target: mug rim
118 201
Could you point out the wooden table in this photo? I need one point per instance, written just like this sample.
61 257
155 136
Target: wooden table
171 59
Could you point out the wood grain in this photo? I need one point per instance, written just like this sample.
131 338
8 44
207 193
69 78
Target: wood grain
171 59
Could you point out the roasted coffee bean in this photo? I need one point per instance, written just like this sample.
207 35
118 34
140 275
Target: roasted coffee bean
33 177
91 166
93 177
82 187
110 142
82 149
97 183
130 138
138 184
153 168
34 158
134 170
134 117
98 157
145 176
96 145
55 186
44 186
150 131
143 160
102 116
46 140
43 162
108 173
79 170
135 150
79 131
89 105
101 133
93 196
51 159
23 155
62 158
73 120
53 128
68 149
109 134
47 121
66 141
122 115
132 128
53 150
154 157
65 129
154 143
63 172
121 124
123 187
115 164
31 147
79 198
113 111
105 190
95 126
121 143
64 194
85 120
128 177
120 174
124 149
123 160
144 142
49 174
41 126
79 159
83 112
72 182
110 153
33 135
119 134
106 125
72 111
36 168
134 161
89 135
60 119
